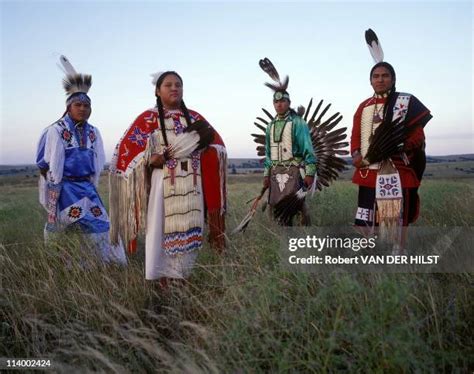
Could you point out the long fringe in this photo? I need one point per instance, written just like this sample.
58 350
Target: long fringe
54 153
389 211
183 208
216 222
128 203
222 157
388 217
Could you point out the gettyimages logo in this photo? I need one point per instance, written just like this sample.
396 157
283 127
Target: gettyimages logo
328 242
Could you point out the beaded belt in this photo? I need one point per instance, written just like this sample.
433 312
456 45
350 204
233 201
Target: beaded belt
78 179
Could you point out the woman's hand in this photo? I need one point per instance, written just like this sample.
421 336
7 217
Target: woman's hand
157 160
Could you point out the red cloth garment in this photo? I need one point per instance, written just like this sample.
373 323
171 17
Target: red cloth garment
416 118
415 139
211 176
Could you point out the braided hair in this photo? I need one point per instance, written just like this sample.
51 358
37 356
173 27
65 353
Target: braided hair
159 104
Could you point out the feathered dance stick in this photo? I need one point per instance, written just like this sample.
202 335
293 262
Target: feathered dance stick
374 45
245 222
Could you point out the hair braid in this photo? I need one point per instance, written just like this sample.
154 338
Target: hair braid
186 113
161 115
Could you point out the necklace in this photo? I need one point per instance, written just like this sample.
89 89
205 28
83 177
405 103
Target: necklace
376 118
79 127
377 113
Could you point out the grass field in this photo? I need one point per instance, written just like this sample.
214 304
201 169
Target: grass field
241 312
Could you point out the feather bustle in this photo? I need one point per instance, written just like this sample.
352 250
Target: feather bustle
263 128
308 109
270 116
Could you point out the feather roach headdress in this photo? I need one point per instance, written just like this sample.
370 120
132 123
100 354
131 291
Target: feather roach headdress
279 86
75 84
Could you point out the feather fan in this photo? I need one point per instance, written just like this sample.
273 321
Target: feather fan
387 140
205 132
184 144
197 136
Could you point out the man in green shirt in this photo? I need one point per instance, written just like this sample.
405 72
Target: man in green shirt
289 155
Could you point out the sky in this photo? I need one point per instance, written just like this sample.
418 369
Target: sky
215 47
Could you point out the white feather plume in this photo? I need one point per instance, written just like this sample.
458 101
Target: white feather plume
374 45
155 77
376 51
66 66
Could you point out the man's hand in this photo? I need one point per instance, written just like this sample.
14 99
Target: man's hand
358 161
415 140
308 181
266 182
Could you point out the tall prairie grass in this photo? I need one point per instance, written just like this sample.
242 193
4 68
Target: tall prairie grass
241 312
